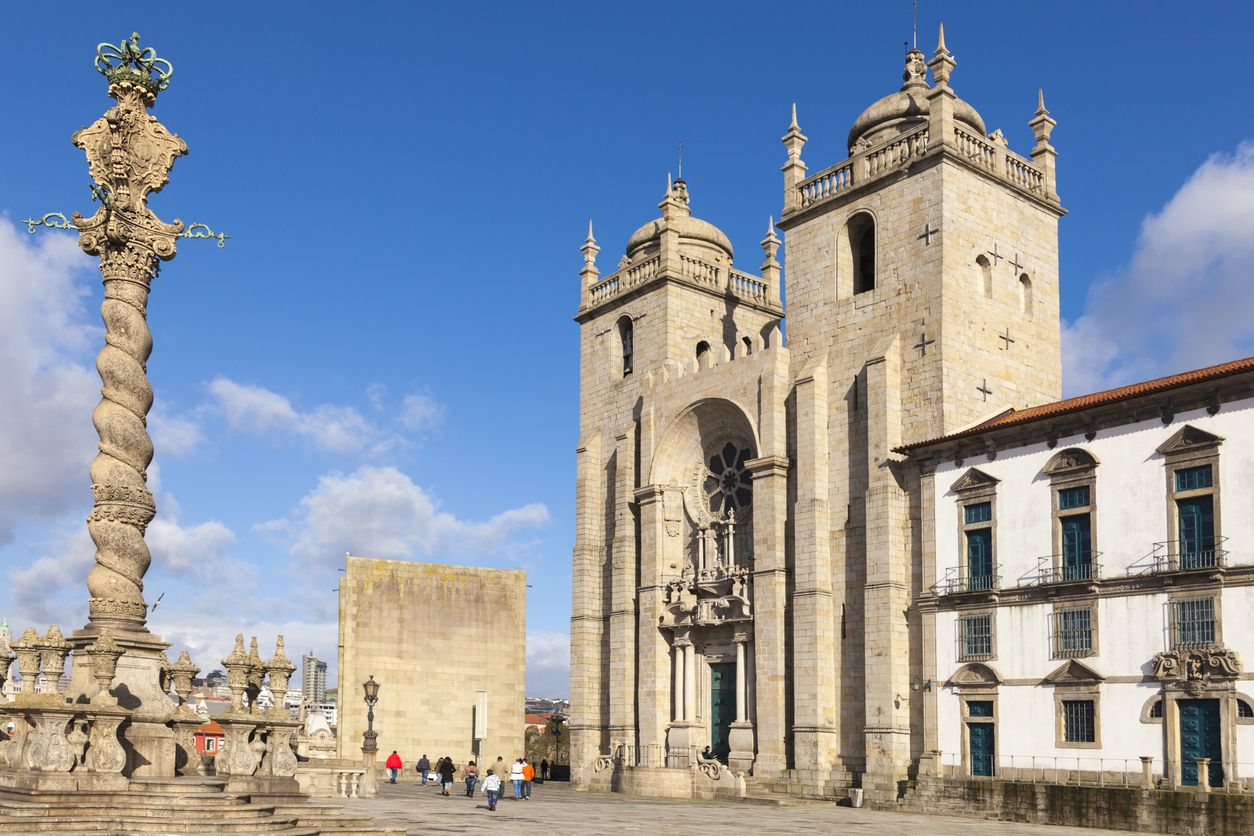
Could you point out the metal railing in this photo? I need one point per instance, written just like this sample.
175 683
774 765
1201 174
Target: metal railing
1053 568
956 581
1169 556
1094 771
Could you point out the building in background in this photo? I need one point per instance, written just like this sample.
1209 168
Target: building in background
313 678
441 641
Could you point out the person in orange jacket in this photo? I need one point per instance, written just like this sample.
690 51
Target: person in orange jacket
529 774
394 766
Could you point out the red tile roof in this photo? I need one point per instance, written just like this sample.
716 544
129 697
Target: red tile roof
211 727
536 719
1015 417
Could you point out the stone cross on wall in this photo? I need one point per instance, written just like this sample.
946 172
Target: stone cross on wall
1007 339
928 232
996 256
1015 264
983 387
923 343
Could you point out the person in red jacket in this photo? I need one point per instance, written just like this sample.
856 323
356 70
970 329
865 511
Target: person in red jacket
394 766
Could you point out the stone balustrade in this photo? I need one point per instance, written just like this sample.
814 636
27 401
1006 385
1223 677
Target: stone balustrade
331 778
694 270
877 161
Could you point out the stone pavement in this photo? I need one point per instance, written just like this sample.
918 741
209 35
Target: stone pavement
557 809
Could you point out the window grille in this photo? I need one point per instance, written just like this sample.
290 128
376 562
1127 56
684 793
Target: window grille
1156 710
1078 725
977 637
1069 498
1244 709
1075 632
1194 621
1194 478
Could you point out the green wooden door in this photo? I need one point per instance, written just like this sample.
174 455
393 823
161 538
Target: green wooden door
722 707
982 748
1200 738
1197 532
1077 548
980 558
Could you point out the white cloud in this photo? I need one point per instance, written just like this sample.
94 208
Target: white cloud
379 511
420 412
209 640
47 340
548 664
174 436
53 588
1185 297
330 427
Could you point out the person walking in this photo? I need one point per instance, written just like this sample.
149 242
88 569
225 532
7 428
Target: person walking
492 786
472 775
529 775
446 775
501 770
424 767
544 770
393 764
516 776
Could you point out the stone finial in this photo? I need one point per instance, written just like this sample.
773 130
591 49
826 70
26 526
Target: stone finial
915 72
256 674
590 249
942 63
53 651
236 666
26 648
794 140
182 672
1043 154
770 267
280 669
794 169
675 203
6 655
104 654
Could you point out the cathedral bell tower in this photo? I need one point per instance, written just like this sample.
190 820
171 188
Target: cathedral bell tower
922 288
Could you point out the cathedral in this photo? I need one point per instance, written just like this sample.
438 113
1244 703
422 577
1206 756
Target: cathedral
814 563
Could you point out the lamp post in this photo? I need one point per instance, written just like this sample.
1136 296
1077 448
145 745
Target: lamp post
369 741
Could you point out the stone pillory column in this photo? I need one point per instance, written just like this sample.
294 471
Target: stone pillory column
129 155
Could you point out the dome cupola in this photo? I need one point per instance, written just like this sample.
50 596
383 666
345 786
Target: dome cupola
702 236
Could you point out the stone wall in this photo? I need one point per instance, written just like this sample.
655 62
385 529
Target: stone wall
432 635
1187 813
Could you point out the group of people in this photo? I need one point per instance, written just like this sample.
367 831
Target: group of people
520 773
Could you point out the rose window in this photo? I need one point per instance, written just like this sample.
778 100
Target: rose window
728 485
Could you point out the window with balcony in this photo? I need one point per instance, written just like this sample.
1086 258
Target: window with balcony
1073 479
1191 457
976 567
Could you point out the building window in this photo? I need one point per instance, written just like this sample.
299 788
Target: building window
977 521
1191 456
1079 724
1193 622
1073 477
1073 632
627 340
1156 711
703 354
1245 710
747 344
975 638
862 251
1025 294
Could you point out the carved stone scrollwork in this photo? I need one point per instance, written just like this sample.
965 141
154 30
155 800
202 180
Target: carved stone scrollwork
280 760
238 756
47 749
105 752
1197 664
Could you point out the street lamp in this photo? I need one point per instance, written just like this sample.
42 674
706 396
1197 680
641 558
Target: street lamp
369 746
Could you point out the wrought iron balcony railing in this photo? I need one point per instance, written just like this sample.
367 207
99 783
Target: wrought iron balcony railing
957 581
1182 556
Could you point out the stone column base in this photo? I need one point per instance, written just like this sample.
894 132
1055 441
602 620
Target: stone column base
741 742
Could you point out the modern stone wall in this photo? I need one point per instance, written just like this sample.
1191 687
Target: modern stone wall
433 636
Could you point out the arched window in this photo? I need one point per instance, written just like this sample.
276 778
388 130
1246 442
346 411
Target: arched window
1025 294
627 338
703 354
862 251
748 345
985 278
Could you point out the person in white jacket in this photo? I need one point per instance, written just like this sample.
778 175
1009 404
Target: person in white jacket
516 775
492 786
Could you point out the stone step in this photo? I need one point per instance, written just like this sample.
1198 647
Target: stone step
182 811
125 826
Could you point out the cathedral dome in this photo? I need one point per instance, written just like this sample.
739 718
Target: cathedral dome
906 109
691 230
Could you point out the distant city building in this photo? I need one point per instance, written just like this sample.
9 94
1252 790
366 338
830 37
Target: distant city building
313 678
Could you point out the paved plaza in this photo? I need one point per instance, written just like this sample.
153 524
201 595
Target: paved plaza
557 809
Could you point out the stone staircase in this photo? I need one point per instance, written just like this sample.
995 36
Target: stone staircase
790 788
175 807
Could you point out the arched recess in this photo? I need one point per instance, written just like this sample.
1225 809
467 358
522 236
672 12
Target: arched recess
856 256
984 279
626 343
704 358
746 346
1025 294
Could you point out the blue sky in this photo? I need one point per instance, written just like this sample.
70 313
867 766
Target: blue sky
382 359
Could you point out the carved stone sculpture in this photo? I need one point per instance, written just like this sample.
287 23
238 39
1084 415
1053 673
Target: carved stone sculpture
280 760
280 670
256 675
182 672
129 156
47 748
27 650
1197 664
237 757
104 752
6 657
104 654
53 650
236 666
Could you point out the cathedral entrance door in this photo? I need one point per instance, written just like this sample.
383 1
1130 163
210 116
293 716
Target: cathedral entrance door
722 707
1199 738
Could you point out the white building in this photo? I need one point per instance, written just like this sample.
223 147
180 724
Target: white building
1085 602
